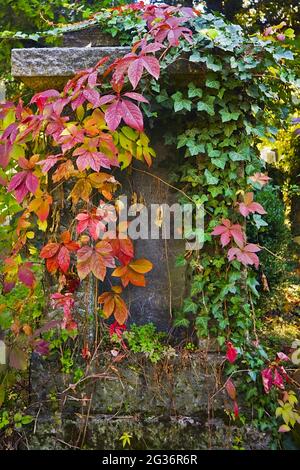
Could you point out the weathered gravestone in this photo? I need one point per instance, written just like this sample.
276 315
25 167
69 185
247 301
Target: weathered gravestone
168 405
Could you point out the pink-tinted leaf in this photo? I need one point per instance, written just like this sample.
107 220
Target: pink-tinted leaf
132 115
260 178
278 380
136 97
135 71
230 389
228 231
245 255
267 379
93 97
32 182
249 207
17 180
152 66
5 148
282 356
236 409
153 47
106 99
63 259
284 428
113 115
42 347
231 352
26 275
49 162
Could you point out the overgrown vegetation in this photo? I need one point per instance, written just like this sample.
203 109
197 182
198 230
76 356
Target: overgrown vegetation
62 141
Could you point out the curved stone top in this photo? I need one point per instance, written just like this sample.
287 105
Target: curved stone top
60 61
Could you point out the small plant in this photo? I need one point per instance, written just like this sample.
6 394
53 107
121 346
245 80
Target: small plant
145 339
288 412
126 439
190 347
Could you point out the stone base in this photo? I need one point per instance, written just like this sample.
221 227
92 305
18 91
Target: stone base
177 404
153 433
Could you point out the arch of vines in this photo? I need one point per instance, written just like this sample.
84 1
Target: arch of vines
76 138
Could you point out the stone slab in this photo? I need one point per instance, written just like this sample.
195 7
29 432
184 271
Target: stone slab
59 61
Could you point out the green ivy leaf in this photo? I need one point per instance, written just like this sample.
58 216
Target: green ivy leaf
181 103
193 91
227 116
210 178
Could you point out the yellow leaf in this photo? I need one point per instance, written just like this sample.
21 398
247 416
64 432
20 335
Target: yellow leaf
42 225
30 235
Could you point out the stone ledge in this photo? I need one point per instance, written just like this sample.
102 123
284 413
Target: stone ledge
51 67
59 61
177 433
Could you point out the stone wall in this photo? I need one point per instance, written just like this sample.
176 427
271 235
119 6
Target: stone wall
177 403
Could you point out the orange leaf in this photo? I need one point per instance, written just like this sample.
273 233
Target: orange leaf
141 265
121 310
49 250
109 306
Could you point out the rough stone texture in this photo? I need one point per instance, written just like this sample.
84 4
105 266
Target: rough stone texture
41 68
176 404
57 61
165 287
175 386
90 36
176 433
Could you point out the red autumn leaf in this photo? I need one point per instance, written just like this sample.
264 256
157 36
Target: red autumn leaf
230 389
278 379
26 275
122 249
236 409
172 30
245 255
42 347
95 260
267 379
85 353
88 94
282 357
90 157
65 301
71 136
227 231
113 304
49 162
40 99
5 149
132 115
24 182
85 77
249 207
57 254
231 352
135 64
133 272
122 108
95 220
116 328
